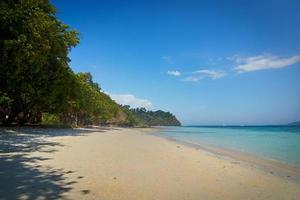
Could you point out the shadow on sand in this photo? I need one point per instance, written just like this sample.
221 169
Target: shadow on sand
20 173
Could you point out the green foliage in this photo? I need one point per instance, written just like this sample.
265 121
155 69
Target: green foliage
38 86
89 105
34 47
143 118
5 107
50 119
129 119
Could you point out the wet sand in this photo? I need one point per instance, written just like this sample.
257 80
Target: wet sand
125 164
274 167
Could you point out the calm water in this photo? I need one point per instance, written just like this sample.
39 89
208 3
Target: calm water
281 143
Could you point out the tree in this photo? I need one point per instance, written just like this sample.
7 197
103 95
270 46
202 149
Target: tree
142 117
90 105
34 71
35 77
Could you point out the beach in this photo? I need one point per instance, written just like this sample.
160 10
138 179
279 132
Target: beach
125 163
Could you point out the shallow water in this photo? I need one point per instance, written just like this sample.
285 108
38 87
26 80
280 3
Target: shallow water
280 143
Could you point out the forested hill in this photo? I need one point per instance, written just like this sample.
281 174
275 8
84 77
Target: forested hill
37 85
154 118
297 123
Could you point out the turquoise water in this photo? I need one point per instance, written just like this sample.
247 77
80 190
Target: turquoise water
281 143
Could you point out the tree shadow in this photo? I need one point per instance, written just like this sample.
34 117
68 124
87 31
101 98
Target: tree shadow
21 175
28 139
52 132
22 181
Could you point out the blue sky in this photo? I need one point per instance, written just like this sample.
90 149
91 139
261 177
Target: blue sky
208 62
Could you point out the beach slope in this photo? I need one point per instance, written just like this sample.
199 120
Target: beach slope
124 164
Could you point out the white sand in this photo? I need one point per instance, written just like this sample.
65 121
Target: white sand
131 164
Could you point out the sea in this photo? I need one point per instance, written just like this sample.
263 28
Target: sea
277 143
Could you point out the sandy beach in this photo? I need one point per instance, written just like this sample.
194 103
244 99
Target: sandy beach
120 163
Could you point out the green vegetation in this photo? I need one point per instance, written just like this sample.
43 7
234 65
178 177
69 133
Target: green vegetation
34 76
155 118
37 86
142 117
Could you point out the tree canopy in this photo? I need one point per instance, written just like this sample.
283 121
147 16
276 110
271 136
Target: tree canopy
38 86
154 118
34 45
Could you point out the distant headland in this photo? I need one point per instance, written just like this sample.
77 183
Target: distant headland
297 123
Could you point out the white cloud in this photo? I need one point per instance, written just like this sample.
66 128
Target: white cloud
132 101
200 74
261 62
168 59
174 73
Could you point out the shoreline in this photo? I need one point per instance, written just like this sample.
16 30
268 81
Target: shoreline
274 167
124 163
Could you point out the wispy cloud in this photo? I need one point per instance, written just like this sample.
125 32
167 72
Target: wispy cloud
132 101
242 65
261 62
168 59
205 73
174 73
